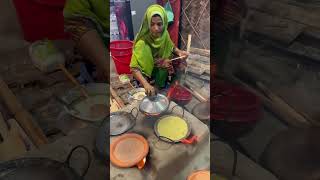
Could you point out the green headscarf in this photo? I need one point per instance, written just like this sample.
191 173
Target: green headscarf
147 48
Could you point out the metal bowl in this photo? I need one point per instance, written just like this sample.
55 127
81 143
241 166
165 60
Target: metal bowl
154 105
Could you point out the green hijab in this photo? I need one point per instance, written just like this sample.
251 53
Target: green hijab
147 48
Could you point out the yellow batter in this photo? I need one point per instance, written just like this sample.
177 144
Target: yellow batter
173 128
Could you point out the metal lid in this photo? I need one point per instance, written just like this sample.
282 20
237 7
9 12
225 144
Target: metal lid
128 150
121 122
154 104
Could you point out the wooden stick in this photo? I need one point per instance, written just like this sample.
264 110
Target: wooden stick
298 117
73 80
180 57
201 52
24 136
131 85
23 117
189 42
116 97
195 93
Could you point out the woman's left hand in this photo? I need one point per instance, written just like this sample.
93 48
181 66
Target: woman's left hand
185 54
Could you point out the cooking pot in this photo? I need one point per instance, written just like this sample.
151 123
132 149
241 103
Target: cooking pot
174 129
121 121
42 168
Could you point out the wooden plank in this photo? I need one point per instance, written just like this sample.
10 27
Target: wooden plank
302 15
116 97
24 118
281 103
312 32
301 49
275 103
274 27
12 145
202 52
27 141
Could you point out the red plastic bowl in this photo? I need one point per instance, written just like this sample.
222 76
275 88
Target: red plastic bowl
245 116
227 97
181 95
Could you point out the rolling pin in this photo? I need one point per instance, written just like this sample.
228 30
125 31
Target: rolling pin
23 117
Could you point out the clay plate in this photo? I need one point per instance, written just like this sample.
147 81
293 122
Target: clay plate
128 150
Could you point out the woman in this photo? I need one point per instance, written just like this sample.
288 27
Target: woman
152 50
88 23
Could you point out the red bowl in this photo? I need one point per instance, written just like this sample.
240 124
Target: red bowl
181 95
228 97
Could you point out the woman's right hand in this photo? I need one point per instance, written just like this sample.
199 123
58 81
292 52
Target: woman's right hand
150 91
163 63
167 63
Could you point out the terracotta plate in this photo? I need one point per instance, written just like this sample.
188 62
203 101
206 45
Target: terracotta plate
200 175
128 150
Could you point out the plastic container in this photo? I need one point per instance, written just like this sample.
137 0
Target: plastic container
121 52
235 110
121 48
122 64
181 95
41 19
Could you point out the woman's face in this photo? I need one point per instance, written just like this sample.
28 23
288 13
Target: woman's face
156 26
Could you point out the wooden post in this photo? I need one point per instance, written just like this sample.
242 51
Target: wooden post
189 42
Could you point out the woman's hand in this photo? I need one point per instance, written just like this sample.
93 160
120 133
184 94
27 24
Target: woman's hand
181 53
150 91
166 63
